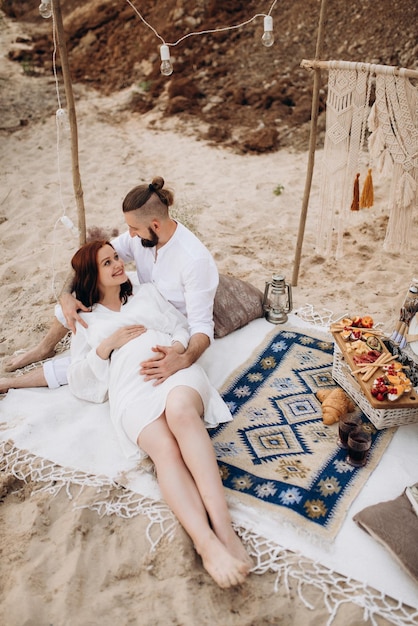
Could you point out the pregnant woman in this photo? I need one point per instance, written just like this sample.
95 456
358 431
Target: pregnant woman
168 421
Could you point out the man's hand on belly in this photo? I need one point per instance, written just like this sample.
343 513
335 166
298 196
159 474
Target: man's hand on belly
166 362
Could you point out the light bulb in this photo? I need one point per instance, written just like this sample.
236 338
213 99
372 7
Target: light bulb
268 38
165 67
61 115
45 9
62 119
68 223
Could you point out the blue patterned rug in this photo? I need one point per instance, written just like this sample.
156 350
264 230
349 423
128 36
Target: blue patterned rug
277 453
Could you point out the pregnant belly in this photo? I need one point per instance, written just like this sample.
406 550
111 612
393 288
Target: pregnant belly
139 349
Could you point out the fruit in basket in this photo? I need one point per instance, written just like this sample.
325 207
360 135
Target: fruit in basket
346 335
392 385
394 380
374 343
393 368
395 392
350 323
367 321
335 404
362 322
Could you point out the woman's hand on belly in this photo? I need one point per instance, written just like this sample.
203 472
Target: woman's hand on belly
118 339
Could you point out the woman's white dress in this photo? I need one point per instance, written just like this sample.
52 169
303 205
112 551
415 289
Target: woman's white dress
134 403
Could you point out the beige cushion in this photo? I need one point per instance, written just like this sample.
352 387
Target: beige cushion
236 303
395 525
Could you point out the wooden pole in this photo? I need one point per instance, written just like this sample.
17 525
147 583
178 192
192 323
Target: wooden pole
312 143
78 189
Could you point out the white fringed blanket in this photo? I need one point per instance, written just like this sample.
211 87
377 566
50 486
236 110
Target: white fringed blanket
62 442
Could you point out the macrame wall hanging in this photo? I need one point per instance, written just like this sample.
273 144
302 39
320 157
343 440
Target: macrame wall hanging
393 146
390 152
346 120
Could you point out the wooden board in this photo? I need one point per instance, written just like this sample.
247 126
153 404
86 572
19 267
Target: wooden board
406 401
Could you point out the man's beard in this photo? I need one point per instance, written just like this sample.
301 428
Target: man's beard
152 241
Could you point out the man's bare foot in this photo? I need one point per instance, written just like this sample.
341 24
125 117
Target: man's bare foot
34 355
5 384
226 570
33 378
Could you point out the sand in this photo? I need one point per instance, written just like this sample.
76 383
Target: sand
61 565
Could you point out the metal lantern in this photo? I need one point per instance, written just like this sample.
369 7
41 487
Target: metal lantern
277 301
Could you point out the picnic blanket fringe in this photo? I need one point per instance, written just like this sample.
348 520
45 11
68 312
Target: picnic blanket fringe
292 568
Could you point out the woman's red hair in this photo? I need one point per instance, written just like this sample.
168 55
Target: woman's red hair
85 284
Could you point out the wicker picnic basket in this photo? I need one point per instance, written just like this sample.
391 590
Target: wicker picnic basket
380 418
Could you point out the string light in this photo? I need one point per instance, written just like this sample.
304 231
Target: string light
63 128
68 223
166 66
62 119
268 37
45 9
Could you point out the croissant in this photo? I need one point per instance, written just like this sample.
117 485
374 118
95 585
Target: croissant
335 404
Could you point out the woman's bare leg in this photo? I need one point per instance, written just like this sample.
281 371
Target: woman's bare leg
43 350
180 492
199 457
33 378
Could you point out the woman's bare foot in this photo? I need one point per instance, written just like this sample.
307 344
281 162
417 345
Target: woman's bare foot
226 570
227 535
34 355
235 547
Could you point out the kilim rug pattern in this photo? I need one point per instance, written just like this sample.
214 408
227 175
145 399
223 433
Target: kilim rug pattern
277 453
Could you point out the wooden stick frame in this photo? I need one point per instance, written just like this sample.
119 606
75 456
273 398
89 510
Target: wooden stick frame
317 65
354 65
78 189
312 143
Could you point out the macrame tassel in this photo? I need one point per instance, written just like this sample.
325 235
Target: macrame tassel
385 164
407 190
355 205
367 195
